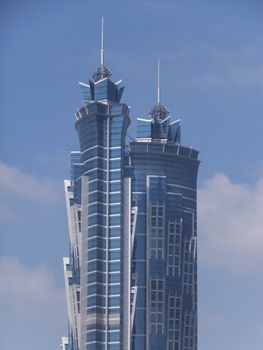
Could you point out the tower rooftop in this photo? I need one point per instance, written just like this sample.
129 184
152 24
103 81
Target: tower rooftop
101 73
159 111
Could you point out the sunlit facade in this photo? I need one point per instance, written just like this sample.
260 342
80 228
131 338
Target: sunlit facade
98 204
131 277
164 259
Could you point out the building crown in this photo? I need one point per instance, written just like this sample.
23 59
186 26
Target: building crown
159 112
101 73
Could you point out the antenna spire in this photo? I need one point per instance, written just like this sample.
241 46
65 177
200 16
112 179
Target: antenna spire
158 82
159 112
102 72
102 42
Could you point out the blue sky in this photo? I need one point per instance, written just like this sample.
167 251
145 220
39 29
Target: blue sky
211 77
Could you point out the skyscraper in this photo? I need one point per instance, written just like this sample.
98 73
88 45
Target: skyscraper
164 269
131 278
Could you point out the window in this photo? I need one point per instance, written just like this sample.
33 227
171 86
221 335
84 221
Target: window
188 266
115 198
114 266
174 317
115 164
115 209
115 175
115 153
189 330
174 247
114 289
114 336
114 243
157 231
114 231
157 306
115 220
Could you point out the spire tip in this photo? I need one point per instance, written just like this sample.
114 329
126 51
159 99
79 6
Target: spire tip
102 42
158 82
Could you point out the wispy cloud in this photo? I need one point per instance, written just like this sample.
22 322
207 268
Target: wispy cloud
209 66
33 309
31 187
226 68
230 224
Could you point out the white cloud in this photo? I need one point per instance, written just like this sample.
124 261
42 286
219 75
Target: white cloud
230 224
33 309
239 68
30 187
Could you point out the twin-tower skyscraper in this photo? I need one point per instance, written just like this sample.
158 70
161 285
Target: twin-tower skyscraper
131 278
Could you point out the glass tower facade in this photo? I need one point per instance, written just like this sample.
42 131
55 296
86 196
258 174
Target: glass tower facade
131 277
164 259
97 271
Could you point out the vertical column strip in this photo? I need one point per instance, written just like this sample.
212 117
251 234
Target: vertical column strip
107 228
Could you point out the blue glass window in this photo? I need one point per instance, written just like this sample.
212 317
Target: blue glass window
114 347
115 209
114 327
115 164
97 186
114 232
95 336
114 278
114 336
115 153
96 277
115 220
96 242
96 231
95 300
94 326
117 110
114 301
96 254
97 208
115 141
114 289
97 197
115 175
115 186
115 254
115 198
114 243
97 219
96 265
96 288
114 266
95 309
114 310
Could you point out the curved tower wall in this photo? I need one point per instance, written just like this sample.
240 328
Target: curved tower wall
164 258
96 200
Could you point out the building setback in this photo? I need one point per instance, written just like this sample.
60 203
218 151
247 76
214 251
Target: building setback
131 278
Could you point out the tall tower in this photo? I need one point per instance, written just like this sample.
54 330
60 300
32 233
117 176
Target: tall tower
164 258
131 277
98 204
